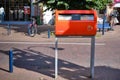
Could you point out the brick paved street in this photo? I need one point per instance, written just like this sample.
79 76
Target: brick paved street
34 56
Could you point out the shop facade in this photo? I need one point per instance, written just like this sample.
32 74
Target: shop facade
19 10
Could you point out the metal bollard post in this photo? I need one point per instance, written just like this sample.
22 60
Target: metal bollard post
103 27
11 61
9 29
29 30
48 33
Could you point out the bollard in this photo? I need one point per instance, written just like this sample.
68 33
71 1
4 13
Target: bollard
48 33
29 30
8 29
103 27
10 61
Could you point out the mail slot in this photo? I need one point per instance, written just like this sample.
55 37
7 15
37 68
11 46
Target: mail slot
75 22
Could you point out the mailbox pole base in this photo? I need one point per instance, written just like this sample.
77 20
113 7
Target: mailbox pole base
56 58
92 57
91 60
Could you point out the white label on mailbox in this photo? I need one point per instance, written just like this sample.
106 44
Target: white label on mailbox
64 17
76 17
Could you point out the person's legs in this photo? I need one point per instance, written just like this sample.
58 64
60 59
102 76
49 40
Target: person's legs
112 23
35 25
30 25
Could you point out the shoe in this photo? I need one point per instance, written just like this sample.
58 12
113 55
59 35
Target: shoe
112 29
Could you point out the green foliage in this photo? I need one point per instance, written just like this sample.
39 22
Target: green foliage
75 4
101 4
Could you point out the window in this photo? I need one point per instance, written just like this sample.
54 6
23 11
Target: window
14 9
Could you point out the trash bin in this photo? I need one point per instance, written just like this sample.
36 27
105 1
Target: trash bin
75 22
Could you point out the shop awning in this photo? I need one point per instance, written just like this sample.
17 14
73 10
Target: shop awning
117 5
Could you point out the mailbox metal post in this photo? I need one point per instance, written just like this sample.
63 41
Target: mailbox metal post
92 56
56 58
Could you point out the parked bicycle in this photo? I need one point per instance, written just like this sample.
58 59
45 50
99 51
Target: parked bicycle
32 28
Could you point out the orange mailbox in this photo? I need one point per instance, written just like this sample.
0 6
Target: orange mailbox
75 22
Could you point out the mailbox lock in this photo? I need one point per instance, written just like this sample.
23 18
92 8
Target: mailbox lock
90 28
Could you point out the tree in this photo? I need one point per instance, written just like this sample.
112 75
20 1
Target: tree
102 4
74 4
67 4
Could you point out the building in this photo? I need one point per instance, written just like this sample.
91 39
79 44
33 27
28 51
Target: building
19 10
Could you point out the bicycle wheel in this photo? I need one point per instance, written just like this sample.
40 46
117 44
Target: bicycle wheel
33 31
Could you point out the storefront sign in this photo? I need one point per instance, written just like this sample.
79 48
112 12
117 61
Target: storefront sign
26 9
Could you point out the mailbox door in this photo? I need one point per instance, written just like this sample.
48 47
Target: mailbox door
74 28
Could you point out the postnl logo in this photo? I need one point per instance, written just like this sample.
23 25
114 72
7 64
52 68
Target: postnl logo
89 28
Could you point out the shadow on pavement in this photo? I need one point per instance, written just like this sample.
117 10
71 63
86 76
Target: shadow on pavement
4 70
39 62
24 28
106 73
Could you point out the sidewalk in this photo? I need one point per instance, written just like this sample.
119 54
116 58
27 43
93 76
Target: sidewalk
19 34
36 61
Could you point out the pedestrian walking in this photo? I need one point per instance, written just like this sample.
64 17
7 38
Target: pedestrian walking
114 19
111 14
2 13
